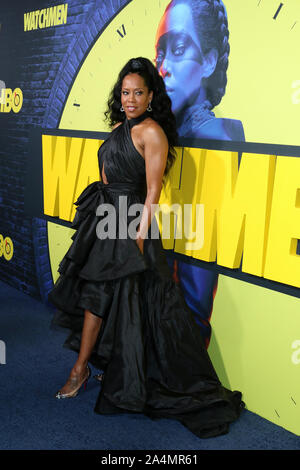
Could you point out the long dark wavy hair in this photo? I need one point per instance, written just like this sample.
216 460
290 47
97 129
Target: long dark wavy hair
161 103
211 24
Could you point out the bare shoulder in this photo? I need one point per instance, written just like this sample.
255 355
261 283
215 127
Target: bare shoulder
152 131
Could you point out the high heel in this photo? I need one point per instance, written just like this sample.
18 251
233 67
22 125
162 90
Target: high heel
77 387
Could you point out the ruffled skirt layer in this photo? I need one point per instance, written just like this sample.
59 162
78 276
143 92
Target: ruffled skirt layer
149 344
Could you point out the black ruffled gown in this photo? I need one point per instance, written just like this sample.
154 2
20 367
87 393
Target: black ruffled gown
149 346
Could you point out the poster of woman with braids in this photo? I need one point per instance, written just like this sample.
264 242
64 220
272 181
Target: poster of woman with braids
192 54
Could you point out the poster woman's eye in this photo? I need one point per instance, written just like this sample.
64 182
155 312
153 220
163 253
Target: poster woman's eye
179 49
159 57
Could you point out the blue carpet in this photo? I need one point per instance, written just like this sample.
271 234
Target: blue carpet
31 418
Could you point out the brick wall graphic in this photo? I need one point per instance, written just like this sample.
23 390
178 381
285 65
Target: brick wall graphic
42 62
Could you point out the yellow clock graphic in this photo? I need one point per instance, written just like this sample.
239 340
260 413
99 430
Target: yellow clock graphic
131 33
251 343
264 69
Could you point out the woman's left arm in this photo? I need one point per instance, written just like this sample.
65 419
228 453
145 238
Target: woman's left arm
156 152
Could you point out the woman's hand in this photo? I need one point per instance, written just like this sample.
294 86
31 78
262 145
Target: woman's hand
140 244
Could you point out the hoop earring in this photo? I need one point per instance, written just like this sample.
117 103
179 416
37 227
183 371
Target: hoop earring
149 107
122 109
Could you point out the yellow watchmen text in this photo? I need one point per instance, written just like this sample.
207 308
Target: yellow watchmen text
250 211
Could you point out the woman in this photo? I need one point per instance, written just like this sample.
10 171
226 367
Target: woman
192 52
116 294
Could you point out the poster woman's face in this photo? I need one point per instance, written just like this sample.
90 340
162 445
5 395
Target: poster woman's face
179 58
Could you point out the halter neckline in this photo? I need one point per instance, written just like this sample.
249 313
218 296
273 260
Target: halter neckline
133 121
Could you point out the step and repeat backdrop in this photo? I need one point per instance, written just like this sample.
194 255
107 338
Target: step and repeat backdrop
232 71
